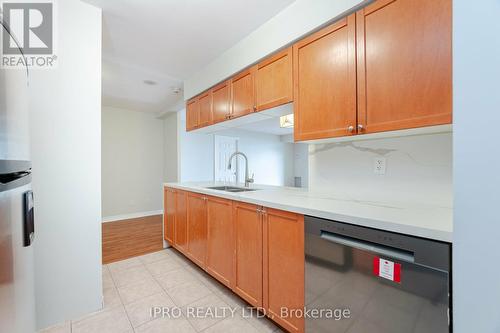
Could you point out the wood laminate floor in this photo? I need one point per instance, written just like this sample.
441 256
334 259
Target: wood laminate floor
129 238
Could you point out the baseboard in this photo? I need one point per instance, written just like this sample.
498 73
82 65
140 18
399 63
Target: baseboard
130 216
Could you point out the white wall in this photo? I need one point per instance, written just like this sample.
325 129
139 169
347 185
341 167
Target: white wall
295 21
196 153
301 163
419 168
171 148
476 102
270 159
132 163
66 153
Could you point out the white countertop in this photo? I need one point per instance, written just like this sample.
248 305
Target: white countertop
416 219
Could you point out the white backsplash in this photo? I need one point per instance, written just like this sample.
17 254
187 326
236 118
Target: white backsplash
418 169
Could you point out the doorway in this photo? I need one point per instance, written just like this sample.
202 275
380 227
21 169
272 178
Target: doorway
224 147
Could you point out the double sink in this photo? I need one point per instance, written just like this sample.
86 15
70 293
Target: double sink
232 189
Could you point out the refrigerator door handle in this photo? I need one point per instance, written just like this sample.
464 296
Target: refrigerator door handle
11 177
11 181
29 219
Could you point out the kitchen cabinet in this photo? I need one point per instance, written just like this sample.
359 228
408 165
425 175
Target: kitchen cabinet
247 221
221 101
205 109
325 82
243 93
220 241
192 114
169 214
274 80
386 67
197 228
258 252
404 64
180 239
283 266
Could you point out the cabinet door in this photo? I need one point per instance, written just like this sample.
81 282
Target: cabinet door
221 102
192 114
404 64
205 106
169 214
247 221
284 266
243 95
220 241
197 228
180 221
273 81
325 82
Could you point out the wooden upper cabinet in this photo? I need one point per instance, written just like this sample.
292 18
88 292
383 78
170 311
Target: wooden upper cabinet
192 114
404 64
197 228
247 221
325 82
180 239
274 80
243 93
205 109
284 267
220 241
169 214
221 101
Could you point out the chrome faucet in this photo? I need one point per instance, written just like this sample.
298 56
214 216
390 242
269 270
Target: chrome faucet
248 180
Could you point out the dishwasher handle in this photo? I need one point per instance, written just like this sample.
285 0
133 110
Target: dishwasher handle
381 250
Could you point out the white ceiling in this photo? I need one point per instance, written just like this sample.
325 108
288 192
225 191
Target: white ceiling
166 41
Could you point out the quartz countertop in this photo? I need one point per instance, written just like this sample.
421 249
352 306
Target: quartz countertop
415 219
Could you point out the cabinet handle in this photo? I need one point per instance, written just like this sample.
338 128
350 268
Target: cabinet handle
350 129
361 127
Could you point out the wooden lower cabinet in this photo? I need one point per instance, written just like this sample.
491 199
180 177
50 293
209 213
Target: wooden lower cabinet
258 252
283 267
220 241
169 215
197 228
247 220
180 239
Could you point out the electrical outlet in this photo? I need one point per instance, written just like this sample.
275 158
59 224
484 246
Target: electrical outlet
379 165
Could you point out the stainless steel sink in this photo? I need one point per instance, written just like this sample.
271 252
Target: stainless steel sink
231 189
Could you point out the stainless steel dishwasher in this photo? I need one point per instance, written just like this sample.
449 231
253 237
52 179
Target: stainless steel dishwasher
368 280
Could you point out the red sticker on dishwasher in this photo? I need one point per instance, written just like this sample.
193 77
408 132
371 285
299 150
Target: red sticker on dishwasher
387 269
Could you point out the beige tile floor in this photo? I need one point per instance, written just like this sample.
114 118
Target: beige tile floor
166 279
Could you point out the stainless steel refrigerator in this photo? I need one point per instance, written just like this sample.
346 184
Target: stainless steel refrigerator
17 303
